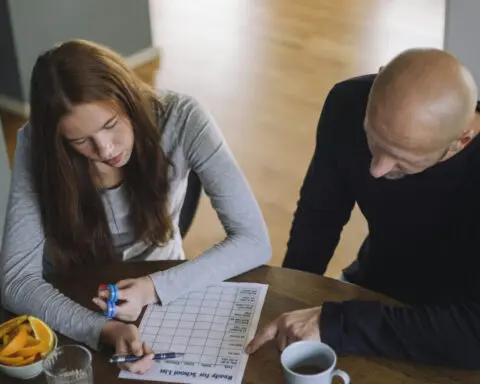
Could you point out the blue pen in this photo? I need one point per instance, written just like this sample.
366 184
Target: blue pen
132 358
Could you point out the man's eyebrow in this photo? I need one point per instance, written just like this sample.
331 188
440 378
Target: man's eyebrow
396 156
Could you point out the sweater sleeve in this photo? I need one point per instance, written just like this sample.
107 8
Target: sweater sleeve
23 288
437 334
246 245
325 203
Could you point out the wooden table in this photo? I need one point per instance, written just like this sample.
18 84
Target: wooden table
288 290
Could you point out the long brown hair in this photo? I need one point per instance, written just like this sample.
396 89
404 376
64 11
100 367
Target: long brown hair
73 215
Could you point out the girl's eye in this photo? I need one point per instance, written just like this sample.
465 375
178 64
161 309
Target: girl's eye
79 142
111 125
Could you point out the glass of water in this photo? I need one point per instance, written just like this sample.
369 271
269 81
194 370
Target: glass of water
69 364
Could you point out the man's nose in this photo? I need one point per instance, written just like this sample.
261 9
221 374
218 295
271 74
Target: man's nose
381 165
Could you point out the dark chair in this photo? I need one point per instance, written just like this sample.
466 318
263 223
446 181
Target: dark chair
190 204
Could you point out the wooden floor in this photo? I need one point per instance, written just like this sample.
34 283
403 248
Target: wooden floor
264 68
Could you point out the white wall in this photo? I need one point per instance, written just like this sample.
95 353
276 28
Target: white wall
462 29
4 181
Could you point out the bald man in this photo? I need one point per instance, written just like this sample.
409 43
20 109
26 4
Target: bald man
403 145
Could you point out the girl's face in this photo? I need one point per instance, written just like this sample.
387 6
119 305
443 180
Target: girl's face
99 131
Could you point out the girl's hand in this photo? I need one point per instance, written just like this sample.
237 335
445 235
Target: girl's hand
135 294
127 341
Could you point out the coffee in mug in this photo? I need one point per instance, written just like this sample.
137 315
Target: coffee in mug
310 362
309 369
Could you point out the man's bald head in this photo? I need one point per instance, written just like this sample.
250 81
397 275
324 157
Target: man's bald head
420 103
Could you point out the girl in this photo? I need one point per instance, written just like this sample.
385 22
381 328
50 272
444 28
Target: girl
100 174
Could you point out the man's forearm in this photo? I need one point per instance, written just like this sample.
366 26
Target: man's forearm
446 335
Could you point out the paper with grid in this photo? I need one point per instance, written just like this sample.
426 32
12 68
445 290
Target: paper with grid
212 327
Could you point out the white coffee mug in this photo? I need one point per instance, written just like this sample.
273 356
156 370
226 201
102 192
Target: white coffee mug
310 362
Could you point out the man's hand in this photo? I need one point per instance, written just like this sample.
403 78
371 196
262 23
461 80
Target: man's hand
288 328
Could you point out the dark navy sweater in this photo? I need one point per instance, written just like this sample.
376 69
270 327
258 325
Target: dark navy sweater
423 246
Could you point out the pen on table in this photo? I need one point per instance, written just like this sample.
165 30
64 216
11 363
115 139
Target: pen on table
132 358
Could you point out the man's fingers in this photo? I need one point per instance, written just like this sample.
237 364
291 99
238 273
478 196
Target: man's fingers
282 341
291 339
266 334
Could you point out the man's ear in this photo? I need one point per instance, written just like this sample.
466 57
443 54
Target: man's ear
462 141
467 137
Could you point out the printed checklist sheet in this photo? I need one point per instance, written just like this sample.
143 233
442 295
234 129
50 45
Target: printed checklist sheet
212 327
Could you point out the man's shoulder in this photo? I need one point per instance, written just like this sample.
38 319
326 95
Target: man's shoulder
355 88
346 104
341 122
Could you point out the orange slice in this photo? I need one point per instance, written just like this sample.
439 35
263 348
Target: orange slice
17 320
26 361
42 332
14 345
11 360
10 325
5 339
27 327
31 341
40 347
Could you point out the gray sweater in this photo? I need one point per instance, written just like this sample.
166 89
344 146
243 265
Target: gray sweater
192 141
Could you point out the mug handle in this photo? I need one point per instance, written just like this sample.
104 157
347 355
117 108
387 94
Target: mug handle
341 374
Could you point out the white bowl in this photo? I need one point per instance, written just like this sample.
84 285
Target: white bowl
27 371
